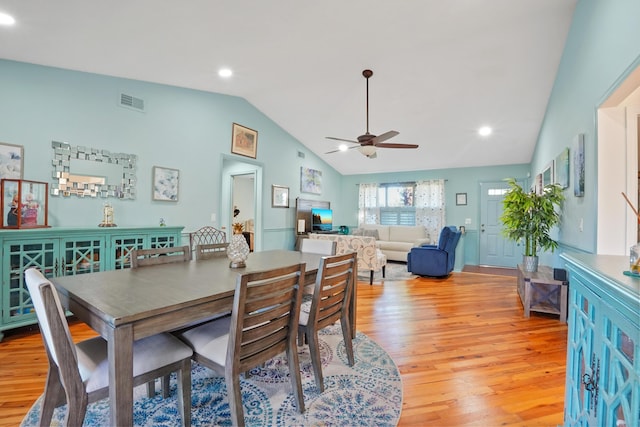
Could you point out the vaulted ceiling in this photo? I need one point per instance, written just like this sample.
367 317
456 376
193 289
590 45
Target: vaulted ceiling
442 69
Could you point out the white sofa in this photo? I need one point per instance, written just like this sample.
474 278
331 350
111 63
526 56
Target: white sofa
396 241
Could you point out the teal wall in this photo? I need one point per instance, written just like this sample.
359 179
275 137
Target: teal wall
461 180
603 42
183 129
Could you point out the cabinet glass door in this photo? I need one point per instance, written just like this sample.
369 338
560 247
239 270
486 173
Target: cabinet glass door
16 301
582 366
121 248
620 385
162 241
83 256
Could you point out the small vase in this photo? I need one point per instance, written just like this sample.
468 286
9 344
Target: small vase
238 251
634 259
530 263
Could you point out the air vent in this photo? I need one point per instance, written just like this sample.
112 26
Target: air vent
301 154
131 102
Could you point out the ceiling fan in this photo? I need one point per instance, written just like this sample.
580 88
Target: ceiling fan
368 142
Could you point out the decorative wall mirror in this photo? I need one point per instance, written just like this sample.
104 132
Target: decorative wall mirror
91 172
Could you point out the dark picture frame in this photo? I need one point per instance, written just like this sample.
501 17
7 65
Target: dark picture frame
244 141
461 199
279 196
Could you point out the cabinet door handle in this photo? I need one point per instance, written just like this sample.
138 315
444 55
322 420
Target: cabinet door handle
591 383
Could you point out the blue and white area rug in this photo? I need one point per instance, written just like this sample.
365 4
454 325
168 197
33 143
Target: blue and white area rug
366 394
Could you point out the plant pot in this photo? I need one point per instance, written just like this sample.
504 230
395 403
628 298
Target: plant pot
530 263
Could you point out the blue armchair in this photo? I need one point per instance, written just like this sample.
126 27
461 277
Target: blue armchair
432 260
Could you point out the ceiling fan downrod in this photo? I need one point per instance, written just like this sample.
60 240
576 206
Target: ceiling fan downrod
367 74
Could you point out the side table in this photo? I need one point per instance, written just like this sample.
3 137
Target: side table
541 293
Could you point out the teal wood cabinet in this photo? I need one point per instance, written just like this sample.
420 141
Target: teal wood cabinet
603 346
63 252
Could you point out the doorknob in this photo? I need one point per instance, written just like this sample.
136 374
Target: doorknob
482 228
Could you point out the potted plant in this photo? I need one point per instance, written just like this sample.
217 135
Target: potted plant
529 216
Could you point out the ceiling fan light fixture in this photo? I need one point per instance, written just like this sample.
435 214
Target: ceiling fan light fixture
368 150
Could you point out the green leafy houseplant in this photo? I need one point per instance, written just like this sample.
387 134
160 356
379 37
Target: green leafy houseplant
530 216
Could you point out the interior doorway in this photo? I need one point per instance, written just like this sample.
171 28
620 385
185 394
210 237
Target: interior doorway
243 205
618 135
242 190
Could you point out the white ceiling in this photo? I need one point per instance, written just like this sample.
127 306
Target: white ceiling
441 68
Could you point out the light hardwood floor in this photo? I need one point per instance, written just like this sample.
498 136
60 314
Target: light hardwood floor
466 354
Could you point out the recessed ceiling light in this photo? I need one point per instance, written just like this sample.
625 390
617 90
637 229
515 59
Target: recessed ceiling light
225 72
485 131
343 147
6 19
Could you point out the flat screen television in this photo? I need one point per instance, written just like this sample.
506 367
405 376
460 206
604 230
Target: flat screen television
321 219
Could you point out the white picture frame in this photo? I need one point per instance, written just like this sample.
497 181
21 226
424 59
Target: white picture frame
165 184
11 161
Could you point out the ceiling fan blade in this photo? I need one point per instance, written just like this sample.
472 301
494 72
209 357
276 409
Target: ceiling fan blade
392 145
342 139
384 137
348 148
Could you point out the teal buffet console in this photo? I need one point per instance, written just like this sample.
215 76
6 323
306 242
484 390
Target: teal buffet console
66 251
603 346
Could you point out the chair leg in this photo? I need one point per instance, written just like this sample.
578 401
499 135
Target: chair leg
294 374
316 362
384 268
151 389
166 387
54 395
76 410
184 393
77 401
346 335
235 399
371 278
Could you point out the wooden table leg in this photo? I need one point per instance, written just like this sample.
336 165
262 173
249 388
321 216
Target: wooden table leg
120 348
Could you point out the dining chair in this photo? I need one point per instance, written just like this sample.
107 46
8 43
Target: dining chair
263 324
317 246
79 374
155 256
330 303
211 250
206 235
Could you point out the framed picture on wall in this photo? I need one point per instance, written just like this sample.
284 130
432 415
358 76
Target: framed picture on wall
461 199
547 175
310 180
279 196
11 161
578 165
165 184
562 168
244 141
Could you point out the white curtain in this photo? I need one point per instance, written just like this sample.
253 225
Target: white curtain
368 208
430 206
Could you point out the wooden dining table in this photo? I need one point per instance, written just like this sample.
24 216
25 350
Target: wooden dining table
130 304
